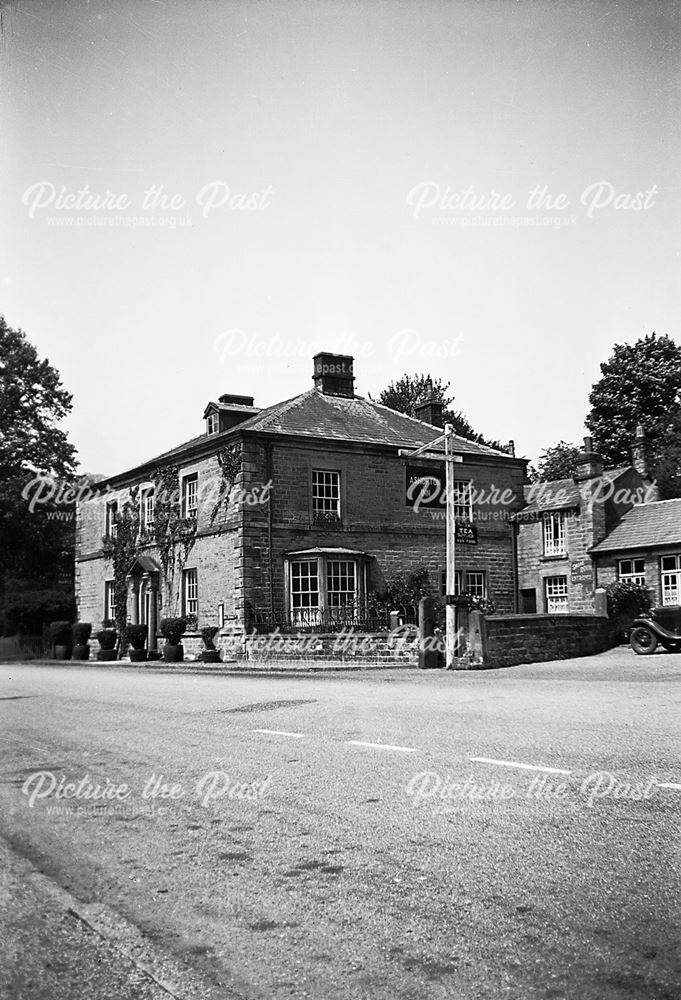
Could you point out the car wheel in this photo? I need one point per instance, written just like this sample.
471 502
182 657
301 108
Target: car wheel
643 641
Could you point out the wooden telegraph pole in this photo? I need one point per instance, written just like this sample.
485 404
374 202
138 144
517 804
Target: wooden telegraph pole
450 459
450 608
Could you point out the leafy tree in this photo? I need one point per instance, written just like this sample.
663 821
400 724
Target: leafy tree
410 391
663 457
557 462
36 547
640 384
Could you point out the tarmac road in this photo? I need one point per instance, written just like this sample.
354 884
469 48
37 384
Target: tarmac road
394 835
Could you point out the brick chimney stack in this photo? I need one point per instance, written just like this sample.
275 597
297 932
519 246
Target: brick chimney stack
589 463
333 374
431 410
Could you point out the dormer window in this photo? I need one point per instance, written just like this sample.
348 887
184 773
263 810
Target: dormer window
212 423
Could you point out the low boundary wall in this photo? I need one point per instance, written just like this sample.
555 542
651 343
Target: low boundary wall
505 640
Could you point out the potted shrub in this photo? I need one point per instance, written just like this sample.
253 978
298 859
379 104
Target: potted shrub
61 638
81 634
106 638
210 654
172 630
136 635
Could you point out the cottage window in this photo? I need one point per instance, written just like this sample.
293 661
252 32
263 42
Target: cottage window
190 592
147 511
110 601
475 584
190 489
463 500
111 518
212 423
632 571
554 533
671 580
326 501
556 595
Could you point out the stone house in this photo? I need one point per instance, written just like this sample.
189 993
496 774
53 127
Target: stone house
644 548
565 521
294 515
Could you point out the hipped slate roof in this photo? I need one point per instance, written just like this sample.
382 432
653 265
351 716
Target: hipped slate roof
341 418
314 414
647 525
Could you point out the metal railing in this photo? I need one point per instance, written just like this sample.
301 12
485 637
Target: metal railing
362 618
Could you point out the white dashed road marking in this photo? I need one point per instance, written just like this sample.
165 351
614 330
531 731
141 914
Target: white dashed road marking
382 746
668 784
280 732
515 763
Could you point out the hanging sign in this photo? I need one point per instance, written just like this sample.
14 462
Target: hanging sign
424 487
466 534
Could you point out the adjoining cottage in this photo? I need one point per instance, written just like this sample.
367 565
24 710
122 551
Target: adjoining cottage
644 548
565 521
296 514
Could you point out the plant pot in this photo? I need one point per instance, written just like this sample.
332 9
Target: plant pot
154 654
137 655
211 656
173 654
106 654
81 652
62 652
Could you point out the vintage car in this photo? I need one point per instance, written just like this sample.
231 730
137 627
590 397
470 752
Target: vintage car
659 625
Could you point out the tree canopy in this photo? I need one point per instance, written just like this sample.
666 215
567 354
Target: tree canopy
557 462
410 391
640 384
32 400
36 540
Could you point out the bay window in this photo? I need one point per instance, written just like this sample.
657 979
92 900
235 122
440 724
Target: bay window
325 586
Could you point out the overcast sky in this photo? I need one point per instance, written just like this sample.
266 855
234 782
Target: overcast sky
324 157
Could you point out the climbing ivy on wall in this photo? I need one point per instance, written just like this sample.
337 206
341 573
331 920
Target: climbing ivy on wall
125 550
173 534
229 460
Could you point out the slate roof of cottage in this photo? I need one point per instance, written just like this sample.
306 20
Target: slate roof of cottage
560 494
315 414
646 525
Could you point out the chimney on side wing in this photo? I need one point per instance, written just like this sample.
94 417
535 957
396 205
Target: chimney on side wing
589 463
431 410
